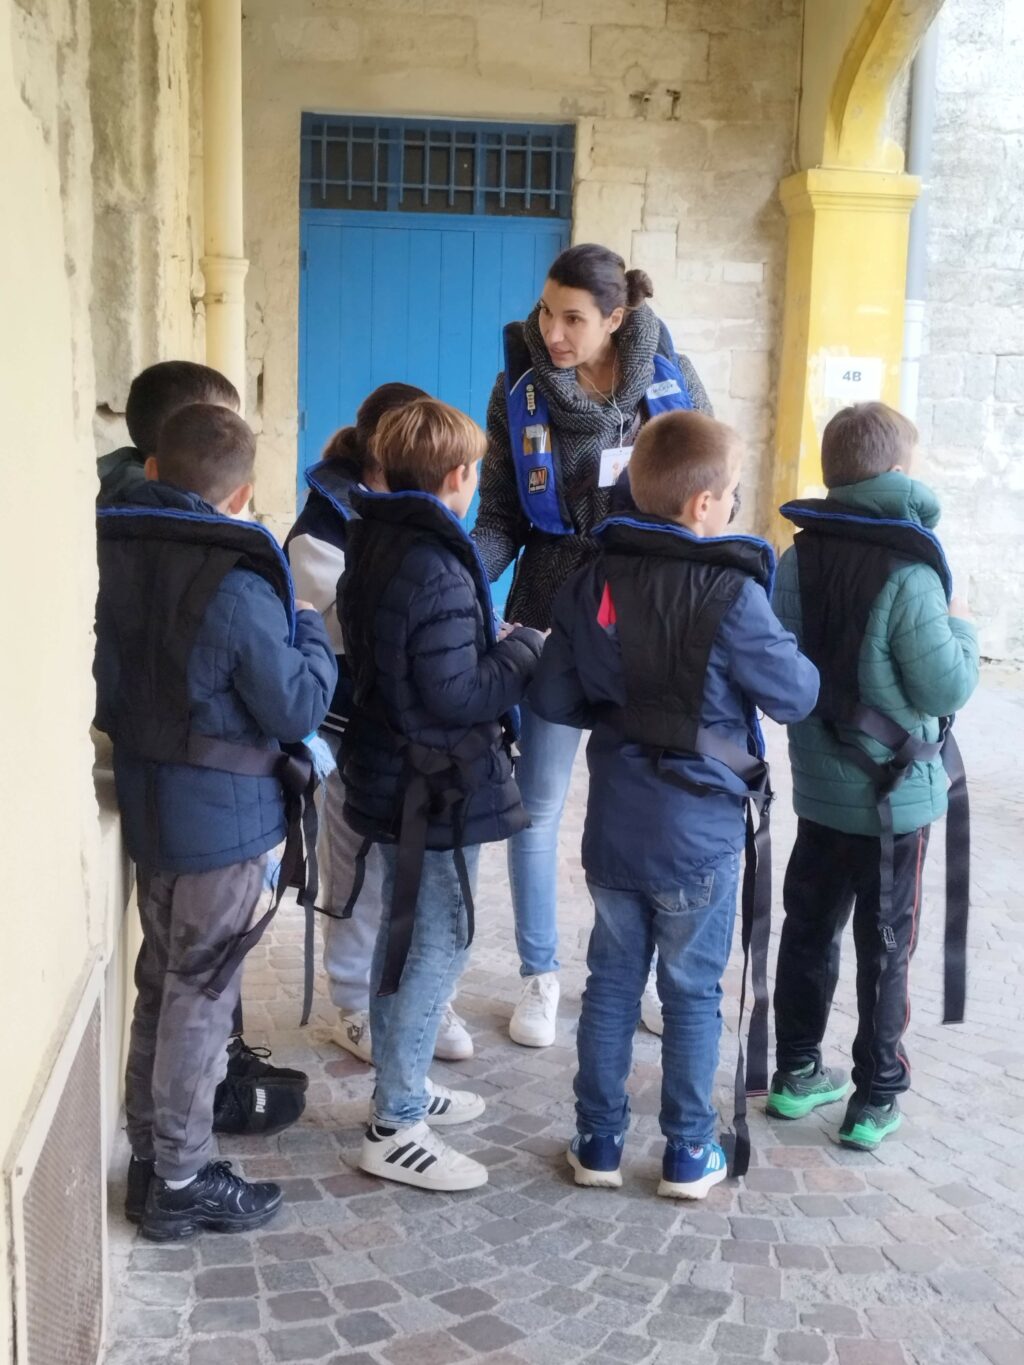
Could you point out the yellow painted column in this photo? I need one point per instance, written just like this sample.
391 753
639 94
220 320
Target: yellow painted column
224 264
842 336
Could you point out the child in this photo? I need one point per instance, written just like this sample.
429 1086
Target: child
255 1097
156 394
196 709
427 770
316 551
665 645
864 591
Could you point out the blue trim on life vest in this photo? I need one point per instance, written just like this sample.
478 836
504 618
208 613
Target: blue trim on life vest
313 481
535 470
915 527
684 534
179 514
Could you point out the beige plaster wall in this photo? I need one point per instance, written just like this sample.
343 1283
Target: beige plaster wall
685 116
95 275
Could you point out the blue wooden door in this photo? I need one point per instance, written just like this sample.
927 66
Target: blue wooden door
421 297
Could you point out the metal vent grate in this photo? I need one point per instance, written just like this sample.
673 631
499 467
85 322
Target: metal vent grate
61 1220
408 165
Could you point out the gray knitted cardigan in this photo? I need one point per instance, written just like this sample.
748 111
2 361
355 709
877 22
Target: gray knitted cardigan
584 428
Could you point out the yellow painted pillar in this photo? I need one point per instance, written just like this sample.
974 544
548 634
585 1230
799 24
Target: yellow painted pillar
224 264
842 337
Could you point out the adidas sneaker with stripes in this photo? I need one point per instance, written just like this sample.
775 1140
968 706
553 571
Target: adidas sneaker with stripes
417 1156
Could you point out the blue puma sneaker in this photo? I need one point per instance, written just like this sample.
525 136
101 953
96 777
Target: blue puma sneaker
595 1157
689 1172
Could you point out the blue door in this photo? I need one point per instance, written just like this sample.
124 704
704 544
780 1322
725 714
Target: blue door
419 242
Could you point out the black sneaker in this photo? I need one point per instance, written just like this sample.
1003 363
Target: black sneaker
256 1108
140 1173
249 1064
217 1201
796 1093
866 1125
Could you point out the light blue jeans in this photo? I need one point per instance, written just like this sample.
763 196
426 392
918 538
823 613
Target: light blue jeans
691 926
542 774
404 1026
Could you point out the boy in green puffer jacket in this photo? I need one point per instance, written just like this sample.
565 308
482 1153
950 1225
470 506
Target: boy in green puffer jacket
866 591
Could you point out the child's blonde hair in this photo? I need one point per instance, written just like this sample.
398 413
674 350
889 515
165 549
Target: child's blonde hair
418 444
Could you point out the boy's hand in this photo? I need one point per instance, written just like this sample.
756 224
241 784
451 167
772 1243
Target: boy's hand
300 605
958 607
506 628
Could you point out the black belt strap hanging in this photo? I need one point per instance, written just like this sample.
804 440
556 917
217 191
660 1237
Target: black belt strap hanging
958 883
756 922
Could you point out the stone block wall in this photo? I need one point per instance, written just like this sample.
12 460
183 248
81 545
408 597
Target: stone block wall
684 111
972 380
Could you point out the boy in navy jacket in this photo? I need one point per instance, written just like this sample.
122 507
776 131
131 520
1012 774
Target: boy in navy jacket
204 667
665 646
426 765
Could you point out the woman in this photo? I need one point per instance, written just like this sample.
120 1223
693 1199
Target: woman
585 370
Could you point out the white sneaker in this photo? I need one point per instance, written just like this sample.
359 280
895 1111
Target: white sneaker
650 1008
353 1034
533 1019
416 1156
446 1108
453 1041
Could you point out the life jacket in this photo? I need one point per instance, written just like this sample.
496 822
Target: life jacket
686 586
434 781
174 560
534 440
845 558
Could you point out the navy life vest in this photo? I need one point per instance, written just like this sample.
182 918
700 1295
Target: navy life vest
434 781
174 560
845 558
534 441
671 592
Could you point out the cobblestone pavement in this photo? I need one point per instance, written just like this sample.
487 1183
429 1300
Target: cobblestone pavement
914 1254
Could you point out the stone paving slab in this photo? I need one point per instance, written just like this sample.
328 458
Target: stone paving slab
913 1255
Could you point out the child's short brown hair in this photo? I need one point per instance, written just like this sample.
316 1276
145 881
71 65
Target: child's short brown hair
206 449
863 441
418 444
679 455
164 389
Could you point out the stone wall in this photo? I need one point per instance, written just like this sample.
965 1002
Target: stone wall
972 380
95 264
684 112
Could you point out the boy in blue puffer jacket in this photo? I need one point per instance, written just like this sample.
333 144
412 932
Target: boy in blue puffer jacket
865 591
426 763
665 646
204 667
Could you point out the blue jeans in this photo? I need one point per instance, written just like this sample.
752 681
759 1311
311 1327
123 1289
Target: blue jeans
691 926
542 774
403 1026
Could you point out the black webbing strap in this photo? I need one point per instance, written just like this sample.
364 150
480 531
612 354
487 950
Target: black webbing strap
298 869
756 923
435 784
886 777
958 883
358 878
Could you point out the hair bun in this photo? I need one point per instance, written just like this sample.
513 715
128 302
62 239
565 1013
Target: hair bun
638 287
343 445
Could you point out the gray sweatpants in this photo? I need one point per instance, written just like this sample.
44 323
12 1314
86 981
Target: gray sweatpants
177 1055
348 943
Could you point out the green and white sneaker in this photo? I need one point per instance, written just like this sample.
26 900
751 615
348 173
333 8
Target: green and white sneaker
866 1125
795 1093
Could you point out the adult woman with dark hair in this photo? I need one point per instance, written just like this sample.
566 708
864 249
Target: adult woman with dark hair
582 374
316 552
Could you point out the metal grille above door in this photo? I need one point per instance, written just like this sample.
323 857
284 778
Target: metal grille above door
416 166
